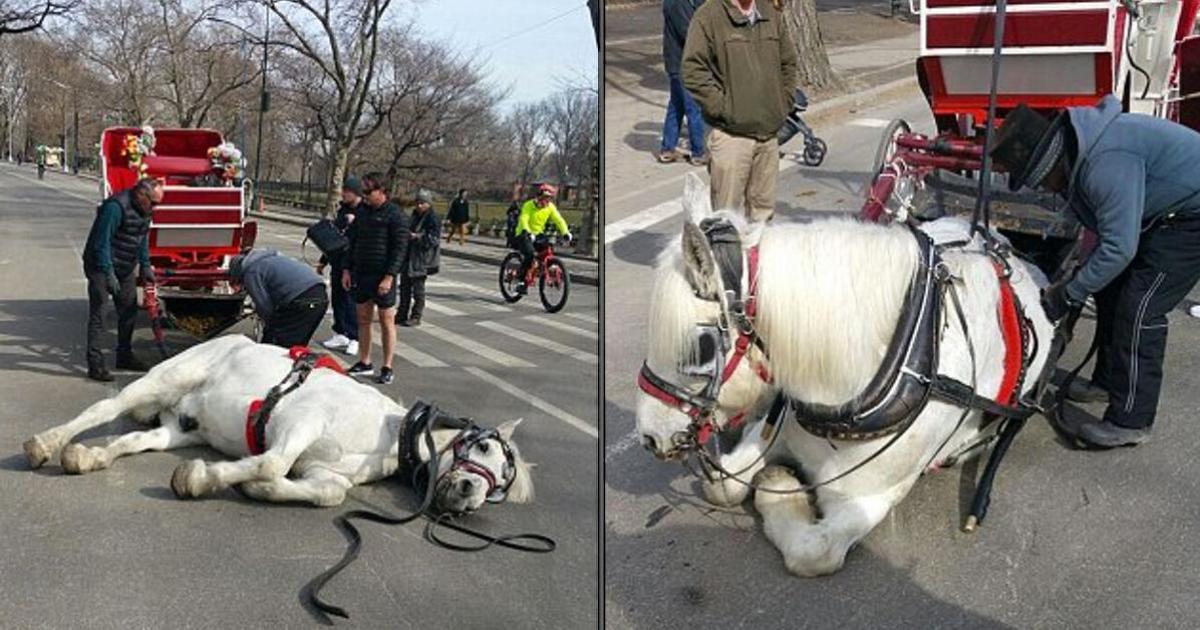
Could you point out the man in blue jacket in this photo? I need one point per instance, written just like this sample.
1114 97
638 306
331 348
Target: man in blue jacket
677 16
118 243
1134 180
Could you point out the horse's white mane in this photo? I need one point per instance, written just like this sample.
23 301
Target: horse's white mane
829 296
521 490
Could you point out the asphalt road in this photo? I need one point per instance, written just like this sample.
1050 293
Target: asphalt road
116 549
1074 539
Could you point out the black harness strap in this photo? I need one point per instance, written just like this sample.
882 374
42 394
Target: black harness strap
302 366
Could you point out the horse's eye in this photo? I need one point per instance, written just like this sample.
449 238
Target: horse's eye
483 447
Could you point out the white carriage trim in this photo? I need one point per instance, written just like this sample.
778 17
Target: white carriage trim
195 225
170 206
1102 5
1021 74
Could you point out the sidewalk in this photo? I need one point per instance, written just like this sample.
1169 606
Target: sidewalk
875 55
482 249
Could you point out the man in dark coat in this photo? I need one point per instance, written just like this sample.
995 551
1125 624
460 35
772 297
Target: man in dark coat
459 216
118 242
345 316
1134 180
288 296
677 15
425 238
379 240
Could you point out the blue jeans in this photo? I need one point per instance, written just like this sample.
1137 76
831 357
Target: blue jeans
345 319
682 104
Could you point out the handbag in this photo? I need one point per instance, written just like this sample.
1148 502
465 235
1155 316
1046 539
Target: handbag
325 235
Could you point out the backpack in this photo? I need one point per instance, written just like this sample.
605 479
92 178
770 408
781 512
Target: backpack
510 224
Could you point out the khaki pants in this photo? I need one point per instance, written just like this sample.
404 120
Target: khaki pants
743 172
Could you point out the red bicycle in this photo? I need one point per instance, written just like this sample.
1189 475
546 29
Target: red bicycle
554 283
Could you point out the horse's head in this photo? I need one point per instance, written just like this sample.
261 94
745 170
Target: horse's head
695 378
481 465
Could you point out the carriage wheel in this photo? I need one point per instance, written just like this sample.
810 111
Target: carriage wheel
887 144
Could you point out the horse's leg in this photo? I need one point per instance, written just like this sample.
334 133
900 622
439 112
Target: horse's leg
143 399
744 461
197 478
77 458
318 486
812 546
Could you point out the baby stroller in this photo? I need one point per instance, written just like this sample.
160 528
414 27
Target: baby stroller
814 147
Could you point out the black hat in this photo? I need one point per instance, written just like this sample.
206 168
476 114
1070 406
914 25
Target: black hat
353 185
1028 145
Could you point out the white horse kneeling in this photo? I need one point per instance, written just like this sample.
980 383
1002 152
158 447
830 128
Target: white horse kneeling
829 296
323 438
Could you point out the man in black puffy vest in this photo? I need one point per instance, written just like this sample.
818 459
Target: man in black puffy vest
118 243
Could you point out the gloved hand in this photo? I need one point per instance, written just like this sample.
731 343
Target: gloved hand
114 284
1056 302
148 275
570 237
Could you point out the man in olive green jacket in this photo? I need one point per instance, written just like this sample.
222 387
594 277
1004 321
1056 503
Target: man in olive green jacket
740 66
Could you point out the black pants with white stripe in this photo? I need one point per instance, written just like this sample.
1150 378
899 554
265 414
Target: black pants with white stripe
1132 319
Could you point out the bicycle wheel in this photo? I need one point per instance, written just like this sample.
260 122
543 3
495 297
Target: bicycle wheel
510 277
553 285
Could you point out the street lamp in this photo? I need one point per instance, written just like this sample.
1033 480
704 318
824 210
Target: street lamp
66 90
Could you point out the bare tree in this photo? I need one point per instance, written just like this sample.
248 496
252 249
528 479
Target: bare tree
814 68
22 16
341 44
119 39
528 123
572 125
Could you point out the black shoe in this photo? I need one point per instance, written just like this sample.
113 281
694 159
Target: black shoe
385 376
361 368
414 322
1084 391
131 363
522 289
99 374
1108 435
401 321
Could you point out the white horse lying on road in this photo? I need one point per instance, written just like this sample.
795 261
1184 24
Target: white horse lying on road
328 435
829 297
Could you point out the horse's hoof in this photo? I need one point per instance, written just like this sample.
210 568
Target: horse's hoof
186 478
75 459
37 452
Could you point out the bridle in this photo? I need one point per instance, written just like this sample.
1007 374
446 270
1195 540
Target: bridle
715 341
460 448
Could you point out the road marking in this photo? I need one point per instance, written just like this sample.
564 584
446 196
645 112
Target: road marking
628 441
546 320
470 345
873 123
584 316
454 284
639 221
553 346
74 245
517 392
445 310
416 357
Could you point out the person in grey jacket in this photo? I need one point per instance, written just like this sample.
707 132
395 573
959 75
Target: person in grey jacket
422 260
1134 180
287 294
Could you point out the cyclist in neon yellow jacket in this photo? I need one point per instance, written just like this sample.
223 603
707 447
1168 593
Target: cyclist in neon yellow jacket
530 225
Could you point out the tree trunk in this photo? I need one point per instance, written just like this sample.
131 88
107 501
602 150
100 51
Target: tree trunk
815 71
336 175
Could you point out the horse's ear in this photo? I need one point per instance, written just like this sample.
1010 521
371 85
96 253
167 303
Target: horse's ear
506 429
697 199
700 262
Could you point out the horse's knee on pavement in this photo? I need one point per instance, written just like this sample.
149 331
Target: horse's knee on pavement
725 493
814 560
38 451
778 486
271 466
77 459
190 480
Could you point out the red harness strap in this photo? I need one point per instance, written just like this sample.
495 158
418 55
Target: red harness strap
1010 328
742 345
296 353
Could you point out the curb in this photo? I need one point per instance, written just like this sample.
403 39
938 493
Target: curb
577 277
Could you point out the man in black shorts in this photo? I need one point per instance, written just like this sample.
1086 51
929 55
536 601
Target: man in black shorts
287 294
378 245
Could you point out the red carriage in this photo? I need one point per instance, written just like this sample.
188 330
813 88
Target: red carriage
1054 54
199 224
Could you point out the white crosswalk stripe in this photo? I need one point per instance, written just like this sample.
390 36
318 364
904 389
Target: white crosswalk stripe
552 346
475 347
443 309
548 320
583 316
416 357
535 401
453 284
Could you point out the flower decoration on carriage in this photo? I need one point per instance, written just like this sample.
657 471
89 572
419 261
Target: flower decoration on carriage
137 147
228 161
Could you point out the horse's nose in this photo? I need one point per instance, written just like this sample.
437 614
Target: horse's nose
649 443
466 486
